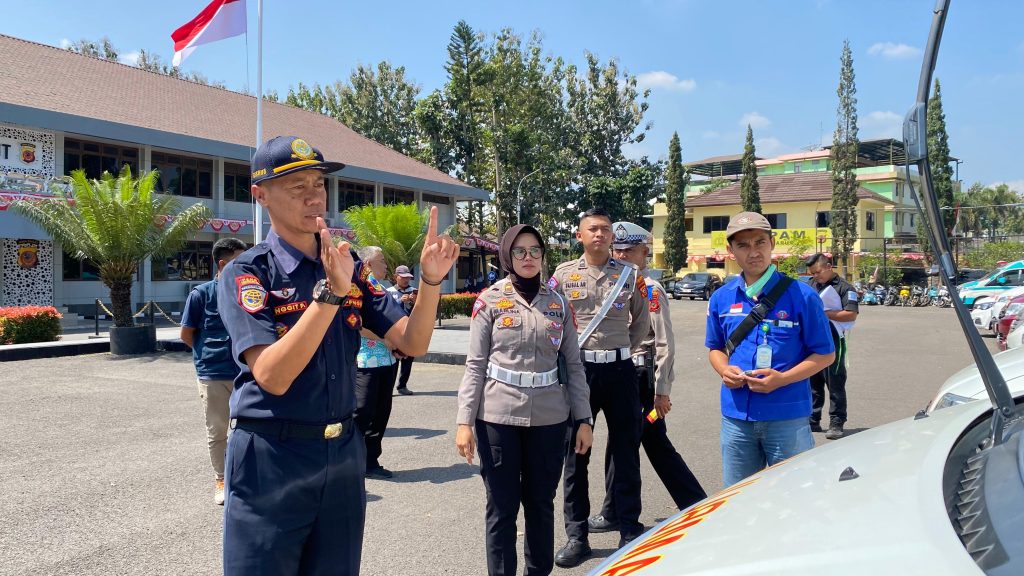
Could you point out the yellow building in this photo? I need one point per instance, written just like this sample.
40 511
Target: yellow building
797 205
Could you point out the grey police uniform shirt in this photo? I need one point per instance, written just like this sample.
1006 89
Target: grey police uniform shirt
526 337
660 338
585 287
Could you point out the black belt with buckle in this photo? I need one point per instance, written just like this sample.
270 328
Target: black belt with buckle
285 430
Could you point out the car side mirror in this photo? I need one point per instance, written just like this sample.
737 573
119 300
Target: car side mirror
1002 280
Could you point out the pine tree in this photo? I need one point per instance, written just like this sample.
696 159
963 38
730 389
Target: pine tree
938 156
844 163
676 180
749 189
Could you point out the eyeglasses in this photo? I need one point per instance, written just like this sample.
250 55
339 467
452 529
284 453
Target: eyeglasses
520 253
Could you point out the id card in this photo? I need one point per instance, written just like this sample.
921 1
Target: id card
764 357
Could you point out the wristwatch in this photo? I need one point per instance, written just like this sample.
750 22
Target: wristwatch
589 421
322 293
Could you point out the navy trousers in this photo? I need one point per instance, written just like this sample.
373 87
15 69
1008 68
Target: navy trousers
294 506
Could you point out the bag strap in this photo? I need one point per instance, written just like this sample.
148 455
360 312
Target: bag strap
757 314
628 271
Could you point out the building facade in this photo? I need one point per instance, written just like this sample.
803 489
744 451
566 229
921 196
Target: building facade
60 111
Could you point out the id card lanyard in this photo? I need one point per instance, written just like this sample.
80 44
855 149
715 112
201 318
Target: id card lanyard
763 357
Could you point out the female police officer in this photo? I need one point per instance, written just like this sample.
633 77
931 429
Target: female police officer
511 394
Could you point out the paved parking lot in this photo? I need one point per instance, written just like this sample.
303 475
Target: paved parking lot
105 468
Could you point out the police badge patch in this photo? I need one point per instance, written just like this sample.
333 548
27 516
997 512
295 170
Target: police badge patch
252 296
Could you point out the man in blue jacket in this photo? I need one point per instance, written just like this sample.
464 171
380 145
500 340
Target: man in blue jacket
766 395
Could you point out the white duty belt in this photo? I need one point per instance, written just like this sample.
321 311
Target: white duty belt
523 379
604 356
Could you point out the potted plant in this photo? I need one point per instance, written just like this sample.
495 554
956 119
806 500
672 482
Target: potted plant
117 223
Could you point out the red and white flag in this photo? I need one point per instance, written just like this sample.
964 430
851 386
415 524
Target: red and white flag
221 19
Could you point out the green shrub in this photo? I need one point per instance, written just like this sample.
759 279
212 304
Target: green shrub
453 305
25 324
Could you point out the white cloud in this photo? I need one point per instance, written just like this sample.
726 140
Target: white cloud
893 51
65 43
755 120
636 151
131 58
768 147
881 124
666 80
710 134
1015 185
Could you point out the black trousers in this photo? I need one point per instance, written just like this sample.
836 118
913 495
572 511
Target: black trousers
612 389
680 482
835 378
373 407
406 369
520 465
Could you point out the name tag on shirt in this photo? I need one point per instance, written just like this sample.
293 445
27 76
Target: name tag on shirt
764 357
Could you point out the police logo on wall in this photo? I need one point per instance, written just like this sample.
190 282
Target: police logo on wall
301 150
28 254
28 152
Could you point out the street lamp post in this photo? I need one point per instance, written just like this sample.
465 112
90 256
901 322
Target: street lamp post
519 198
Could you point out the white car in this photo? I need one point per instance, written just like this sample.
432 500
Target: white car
981 314
883 501
1015 339
999 303
966 385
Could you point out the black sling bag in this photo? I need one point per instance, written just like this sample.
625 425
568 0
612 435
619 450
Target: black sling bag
757 314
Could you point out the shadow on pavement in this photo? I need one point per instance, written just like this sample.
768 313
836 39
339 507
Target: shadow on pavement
418 433
450 393
436 474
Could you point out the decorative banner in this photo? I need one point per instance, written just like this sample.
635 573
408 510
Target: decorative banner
472 242
8 198
28 253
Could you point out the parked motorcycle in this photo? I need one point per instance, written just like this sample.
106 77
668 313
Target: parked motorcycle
891 296
919 296
943 299
904 296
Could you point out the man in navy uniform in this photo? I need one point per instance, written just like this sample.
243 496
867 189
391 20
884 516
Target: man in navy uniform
293 306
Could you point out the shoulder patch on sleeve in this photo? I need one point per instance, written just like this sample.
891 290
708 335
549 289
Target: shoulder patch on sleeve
655 301
641 286
478 306
852 296
552 283
252 296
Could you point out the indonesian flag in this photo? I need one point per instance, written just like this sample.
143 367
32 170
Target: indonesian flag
221 19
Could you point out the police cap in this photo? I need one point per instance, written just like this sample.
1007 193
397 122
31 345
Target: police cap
286 154
628 235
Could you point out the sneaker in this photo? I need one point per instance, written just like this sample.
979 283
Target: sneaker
816 426
379 473
218 494
624 540
573 553
404 391
601 523
835 431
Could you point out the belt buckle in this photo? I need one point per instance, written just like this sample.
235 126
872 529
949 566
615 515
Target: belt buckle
602 356
332 431
526 380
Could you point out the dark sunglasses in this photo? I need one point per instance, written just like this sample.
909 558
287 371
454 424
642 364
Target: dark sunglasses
535 252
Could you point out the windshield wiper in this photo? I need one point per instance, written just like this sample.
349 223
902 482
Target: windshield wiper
915 141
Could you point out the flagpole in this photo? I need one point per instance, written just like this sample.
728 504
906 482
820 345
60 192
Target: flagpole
258 225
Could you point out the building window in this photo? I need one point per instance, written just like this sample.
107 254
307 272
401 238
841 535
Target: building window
869 221
760 169
435 199
352 194
398 196
96 158
237 183
75 269
899 190
823 220
688 224
912 220
183 175
797 168
777 221
193 262
815 162
715 223
714 264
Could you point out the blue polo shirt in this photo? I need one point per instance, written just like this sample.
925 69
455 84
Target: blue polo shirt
211 350
262 294
796 328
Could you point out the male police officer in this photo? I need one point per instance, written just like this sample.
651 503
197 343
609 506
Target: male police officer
842 313
293 306
766 399
609 298
654 362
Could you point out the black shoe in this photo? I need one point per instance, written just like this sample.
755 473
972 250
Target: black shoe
404 391
572 554
624 540
835 431
379 473
600 523
816 426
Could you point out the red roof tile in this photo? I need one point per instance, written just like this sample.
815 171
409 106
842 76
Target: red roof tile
798 187
48 78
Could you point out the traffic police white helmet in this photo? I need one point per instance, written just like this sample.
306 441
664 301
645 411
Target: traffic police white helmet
628 235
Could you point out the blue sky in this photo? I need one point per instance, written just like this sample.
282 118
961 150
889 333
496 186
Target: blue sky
712 65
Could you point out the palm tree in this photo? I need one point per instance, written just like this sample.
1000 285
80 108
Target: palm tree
399 230
116 224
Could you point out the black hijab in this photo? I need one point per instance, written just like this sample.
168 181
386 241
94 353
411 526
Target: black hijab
527 287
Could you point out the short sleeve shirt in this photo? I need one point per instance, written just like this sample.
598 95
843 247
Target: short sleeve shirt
211 350
795 328
262 294
847 295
